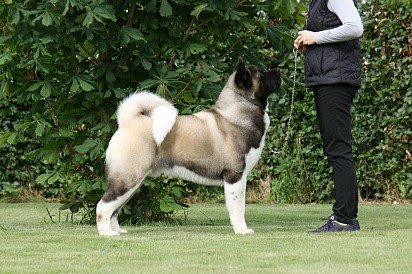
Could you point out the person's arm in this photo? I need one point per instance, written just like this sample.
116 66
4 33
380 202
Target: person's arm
351 28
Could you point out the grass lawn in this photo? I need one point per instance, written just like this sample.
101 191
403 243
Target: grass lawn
206 243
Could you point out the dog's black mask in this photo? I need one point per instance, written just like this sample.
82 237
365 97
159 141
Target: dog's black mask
255 83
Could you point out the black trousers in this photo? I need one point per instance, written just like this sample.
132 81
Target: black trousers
333 104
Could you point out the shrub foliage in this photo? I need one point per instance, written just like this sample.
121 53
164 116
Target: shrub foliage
65 65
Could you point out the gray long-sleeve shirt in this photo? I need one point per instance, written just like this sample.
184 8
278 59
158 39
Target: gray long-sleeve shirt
352 27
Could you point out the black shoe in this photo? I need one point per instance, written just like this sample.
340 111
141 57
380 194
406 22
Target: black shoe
334 226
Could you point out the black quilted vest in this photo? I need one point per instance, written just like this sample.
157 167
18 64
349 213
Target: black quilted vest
330 63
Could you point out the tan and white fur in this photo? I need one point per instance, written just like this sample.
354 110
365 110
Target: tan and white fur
218 146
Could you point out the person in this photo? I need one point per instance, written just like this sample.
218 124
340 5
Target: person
331 46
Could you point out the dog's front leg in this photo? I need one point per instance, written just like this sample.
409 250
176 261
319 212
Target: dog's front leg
235 202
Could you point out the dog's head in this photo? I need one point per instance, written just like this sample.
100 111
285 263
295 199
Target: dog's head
255 84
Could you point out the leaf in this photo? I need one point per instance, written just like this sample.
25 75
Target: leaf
145 63
198 9
177 191
130 34
16 18
44 51
126 210
45 90
53 178
148 83
165 9
277 4
84 85
66 8
86 146
47 19
64 207
97 185
75 85
151 5
235 15
120 92
12 138
96 152
66 133
135 34
37 53
110 76
88 20
5 38
35 86
46 39
197 48
199 86
75 208
41 180
187 96
290 5
166 204
4 58
4 87
39 129
105 12
22 127
149 182
3 137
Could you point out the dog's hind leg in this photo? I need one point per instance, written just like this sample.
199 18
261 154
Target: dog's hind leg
114 223
235 202
117 194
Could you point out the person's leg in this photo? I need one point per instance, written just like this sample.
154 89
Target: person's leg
333 103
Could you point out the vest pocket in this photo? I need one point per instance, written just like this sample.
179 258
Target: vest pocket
313 61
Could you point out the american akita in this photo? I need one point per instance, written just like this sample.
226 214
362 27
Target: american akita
218 146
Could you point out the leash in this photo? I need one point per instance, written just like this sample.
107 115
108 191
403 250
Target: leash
288 131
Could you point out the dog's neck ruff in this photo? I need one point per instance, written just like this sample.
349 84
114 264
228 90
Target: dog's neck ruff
254 101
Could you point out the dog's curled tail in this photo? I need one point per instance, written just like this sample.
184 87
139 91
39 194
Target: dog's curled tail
162 113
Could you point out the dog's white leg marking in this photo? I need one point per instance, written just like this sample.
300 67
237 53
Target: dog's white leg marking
107 224
235 203
114 223
104 211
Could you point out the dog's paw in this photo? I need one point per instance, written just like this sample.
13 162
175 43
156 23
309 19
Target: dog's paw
122 231
109 233
244 231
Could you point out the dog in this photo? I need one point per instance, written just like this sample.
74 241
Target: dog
218 146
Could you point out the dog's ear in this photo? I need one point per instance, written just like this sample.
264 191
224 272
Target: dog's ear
243 78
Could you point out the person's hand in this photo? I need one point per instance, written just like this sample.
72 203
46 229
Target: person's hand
305 38
300 48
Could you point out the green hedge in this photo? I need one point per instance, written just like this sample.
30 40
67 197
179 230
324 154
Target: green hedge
65 65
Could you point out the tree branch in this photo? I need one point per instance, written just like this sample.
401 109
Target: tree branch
184 40
131 14
57 126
